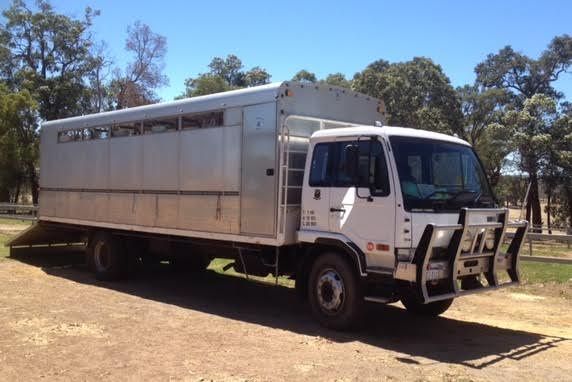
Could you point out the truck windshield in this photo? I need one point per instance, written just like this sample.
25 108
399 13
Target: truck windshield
439 176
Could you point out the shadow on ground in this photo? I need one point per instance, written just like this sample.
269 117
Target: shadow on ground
389 327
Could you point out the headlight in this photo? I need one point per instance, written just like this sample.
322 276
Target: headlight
467 242
490 240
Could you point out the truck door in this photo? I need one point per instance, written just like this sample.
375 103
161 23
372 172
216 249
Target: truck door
258 190
364 215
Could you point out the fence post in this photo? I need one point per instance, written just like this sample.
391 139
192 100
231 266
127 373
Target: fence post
529 246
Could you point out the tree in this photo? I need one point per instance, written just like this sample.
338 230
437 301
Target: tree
45 61
136 85
416 93
494 146
49 55
305 77
480 108
338 79
531 128
557 176
99 87
18 143
482 125
225 74
256 76
524 78
205 84
229 69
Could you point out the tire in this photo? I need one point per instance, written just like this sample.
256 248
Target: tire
107 257
335 292
414 305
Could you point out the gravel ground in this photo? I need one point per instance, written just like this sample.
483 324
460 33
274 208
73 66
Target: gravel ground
59 323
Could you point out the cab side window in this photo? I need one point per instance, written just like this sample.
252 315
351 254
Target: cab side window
330 167
372 169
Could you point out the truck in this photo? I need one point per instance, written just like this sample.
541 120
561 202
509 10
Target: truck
293 180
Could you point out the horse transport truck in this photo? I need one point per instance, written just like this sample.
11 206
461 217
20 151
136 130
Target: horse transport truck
297 180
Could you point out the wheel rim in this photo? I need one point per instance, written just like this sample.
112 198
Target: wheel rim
101 256
330 291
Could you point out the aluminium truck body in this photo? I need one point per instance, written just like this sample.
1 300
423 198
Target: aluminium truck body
288 179
212 167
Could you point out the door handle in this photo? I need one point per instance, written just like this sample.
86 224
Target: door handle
337 210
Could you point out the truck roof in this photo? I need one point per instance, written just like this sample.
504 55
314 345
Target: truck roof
388 131
234 98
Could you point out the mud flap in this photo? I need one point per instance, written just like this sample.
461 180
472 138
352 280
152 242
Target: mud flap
437 277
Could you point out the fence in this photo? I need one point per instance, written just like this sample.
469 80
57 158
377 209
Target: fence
544 237
18 211
30 212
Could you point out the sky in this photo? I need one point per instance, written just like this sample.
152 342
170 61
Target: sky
329 36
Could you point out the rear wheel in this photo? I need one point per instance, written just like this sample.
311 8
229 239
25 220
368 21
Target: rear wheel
335 292
414 305
106 257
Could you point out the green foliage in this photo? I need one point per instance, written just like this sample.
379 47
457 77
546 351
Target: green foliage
337 79
255 77
205 84
558 171
511 189
531 129
416 93
533 99
49 55
534 273
225 74
18 141
305 76
523 76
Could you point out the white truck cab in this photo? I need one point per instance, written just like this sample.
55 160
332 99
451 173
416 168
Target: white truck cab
414 207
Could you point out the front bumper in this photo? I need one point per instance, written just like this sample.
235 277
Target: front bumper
441 277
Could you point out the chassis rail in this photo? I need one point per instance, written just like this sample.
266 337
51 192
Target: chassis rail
437 277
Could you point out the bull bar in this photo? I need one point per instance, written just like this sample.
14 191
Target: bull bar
437 278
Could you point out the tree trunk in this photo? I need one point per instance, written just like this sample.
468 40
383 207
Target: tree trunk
528 209
569 197
535 203
34 183
548 206
4 195
17 192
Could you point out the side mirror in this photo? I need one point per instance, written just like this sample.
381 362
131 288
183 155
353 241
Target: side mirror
351 152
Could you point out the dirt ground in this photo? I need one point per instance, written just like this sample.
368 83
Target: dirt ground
58 322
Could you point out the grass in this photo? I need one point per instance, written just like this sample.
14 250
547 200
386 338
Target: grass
217 265
4 251
535 273
7 229
16 223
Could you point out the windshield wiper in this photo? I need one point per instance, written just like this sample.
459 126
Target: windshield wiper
465 192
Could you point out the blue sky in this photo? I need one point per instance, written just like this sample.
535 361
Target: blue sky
330 36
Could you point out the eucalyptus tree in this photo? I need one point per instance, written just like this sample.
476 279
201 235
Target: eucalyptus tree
416 93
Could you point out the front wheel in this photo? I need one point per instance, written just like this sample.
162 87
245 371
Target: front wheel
414 305
334 292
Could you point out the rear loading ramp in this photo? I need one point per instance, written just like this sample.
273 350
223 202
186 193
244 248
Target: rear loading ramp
44 234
